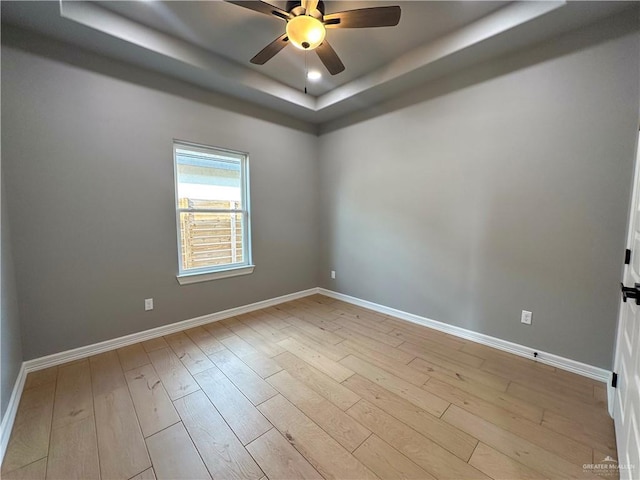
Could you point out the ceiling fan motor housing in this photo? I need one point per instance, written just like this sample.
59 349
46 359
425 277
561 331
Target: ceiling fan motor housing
296 8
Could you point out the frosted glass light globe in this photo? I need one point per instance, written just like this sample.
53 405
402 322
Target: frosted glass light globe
305 32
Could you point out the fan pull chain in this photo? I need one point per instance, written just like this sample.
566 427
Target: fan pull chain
306 72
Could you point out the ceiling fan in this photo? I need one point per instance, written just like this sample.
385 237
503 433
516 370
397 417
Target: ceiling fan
307 24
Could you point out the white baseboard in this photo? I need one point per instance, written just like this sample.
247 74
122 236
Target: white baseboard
10 414
96 348
557 361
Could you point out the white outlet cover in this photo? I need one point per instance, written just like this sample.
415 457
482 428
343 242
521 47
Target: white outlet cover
333 274
526 317
148 304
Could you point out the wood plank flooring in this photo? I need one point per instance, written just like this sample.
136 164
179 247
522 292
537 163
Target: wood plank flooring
314 388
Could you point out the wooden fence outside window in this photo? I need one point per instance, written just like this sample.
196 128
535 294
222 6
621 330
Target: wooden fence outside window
210 239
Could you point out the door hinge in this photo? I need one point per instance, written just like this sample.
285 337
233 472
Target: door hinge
614 380
627 256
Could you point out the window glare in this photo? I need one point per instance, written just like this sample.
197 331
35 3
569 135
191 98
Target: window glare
206 177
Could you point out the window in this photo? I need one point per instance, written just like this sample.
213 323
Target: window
212 211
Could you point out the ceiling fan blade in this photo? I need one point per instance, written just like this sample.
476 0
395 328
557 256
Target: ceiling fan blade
329 58
364 17
268 52
309 6
262 7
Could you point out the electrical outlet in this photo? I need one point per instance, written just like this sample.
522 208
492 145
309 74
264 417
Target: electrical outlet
526 317
148 304
333 274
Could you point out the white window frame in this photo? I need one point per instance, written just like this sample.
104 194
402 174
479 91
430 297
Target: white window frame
205 274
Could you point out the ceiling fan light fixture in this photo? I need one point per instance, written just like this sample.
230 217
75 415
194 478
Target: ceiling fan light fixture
306 24
305 32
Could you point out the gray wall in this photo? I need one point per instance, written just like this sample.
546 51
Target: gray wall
502 188
10 341
87 156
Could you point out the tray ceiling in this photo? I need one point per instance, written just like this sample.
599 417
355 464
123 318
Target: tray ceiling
210 43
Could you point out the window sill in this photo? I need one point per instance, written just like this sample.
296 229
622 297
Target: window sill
206 277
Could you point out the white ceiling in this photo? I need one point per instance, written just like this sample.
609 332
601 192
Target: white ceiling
209 43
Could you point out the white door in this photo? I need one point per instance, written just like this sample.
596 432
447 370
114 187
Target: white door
626 408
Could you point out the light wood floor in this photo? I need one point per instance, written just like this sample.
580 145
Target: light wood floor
314 388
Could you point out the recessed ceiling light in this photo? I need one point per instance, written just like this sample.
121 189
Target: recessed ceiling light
314 75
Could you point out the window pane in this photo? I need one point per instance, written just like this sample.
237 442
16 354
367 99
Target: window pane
208 180
211 183
211 239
